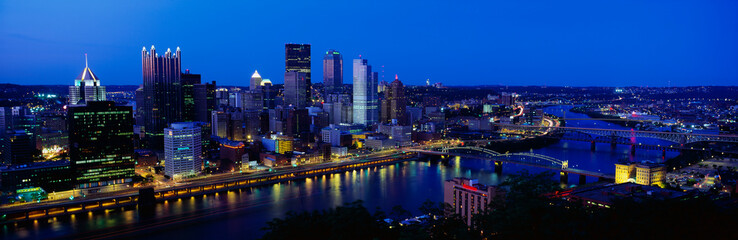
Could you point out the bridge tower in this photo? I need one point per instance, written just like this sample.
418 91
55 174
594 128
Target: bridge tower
632 149
592 146
564 177
498 167
613 141
582 179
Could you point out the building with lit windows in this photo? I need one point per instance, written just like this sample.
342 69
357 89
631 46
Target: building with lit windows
101 144
204 101
49 176
332 72
394 104
182 150
162 89
86 87
650 174
284 145
189 80
644 173
365 105
624 172
268 94
468 197
295 93
297 58
402 135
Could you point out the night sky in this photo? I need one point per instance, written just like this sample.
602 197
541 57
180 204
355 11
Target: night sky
554 43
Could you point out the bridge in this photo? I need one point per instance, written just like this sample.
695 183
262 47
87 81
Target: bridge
527 159
616 136
608 119
680 138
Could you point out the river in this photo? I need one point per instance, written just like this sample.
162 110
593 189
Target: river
241 215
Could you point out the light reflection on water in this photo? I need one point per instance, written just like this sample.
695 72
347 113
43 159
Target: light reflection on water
243 213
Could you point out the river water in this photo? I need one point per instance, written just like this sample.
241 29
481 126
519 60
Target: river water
241 215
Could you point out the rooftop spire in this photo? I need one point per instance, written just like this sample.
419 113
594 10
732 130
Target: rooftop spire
86 66
396 77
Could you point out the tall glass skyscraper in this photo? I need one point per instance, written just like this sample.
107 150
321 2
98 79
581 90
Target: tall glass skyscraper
332 72
188 95
294 89
101 144
86 88
297 58
366 110
162 86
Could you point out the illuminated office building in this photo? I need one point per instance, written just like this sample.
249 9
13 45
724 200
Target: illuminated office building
268 94
294 89
86 88
643 173
162 86
182 150
394 104
101 144
365 107
297 58
205 102
332 72
188 95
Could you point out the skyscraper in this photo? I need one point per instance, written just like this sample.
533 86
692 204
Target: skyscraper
255 81
204 101
182 150
253 100
268 94
394 103
332 71
86 87
101 144
294 89
365 94
297 58
188 95
162 85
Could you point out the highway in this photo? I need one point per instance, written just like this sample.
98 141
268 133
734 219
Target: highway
213 179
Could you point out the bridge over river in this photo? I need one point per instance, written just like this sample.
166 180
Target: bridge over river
616 136
527 159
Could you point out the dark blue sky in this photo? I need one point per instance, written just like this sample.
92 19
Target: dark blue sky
555 43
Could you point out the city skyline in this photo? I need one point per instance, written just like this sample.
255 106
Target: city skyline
447 120
555 44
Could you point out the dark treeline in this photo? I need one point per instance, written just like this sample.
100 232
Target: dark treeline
524 213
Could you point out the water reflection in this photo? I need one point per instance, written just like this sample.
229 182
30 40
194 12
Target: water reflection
242 214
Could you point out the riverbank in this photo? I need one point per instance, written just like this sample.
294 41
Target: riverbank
27 213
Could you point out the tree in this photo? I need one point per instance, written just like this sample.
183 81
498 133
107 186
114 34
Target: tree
398 213
350 221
